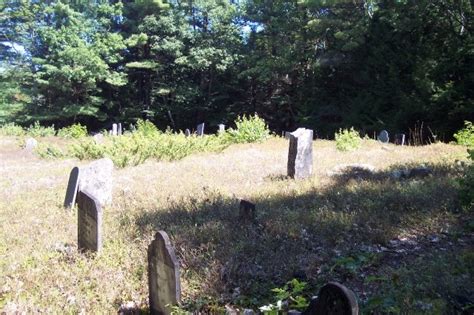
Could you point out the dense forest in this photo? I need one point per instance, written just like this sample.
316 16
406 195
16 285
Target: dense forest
321 64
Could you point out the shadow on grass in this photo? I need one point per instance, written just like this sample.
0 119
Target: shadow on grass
298 236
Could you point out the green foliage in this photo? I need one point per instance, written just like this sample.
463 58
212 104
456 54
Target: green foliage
74 131
49 151
466 193
290 296
11 129
36 130
249 129
146 128
347 139
465 136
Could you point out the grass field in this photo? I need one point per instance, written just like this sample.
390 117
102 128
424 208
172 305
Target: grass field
402 245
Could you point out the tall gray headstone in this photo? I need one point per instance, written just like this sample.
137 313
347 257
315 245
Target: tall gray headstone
31 144
200 129
221 128
119 129
114 129
187 132
164 284
383 136
72 187
89 223
96 180
300 154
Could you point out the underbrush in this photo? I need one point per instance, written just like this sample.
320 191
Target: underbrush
347 139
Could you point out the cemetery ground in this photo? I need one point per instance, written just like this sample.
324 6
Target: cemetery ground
402 244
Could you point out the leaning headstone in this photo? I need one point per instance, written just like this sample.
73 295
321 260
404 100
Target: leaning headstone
89 223
333 298
31 144
96 180
187 132
200 129
114 129
164 286
383 136
119 129
72 187
399 139
221 128
300 154
246 211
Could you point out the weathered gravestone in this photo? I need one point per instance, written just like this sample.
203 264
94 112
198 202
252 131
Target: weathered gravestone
30 144
200 129
114 129
119 129
221 128
399 139
72 187
383 136
164 285
300 154
286 134
246 211
98 138
333 299
187 132
89 223
96 180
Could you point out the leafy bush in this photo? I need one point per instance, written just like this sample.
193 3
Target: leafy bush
466 192
74 131
249 129
36 130
146 128
87 149
49 152
288 297
11 129
347 139
465 136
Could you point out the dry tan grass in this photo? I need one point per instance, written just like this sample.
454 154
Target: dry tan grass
195 199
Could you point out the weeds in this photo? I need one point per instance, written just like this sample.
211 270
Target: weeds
74 131
347 139
11 129
36 130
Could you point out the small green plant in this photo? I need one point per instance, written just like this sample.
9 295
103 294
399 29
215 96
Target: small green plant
290 296
146 128
347 139
465 136
49 152
11 129
36 130
74 131
466 193
249 129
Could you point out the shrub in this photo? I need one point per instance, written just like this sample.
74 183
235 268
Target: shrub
36 130
249 129
146 128
49 152
466 192
11 129
347 139
74 131
465 136
87 149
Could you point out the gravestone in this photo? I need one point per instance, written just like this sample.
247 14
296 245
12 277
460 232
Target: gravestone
383 136
221 128
399 139
114 129
246 211
334 299
89 223
164 285
200 130
72 187
187 132
96 180
119 130
98 138
286 134
30 144
300 154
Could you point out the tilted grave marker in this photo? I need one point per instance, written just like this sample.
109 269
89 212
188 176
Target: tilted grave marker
300 154
200 130
72 188
383 136
163 275
89 223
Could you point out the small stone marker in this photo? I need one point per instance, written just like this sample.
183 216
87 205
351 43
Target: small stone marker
286 134
98 138
300 154
221 128
400 139
164 284
72 187
30 144
187 132
200 130
246 211
333 298
383 136
89 223
114 129
96 180
119 129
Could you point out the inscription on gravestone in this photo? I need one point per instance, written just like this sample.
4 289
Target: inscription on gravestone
300 154
163 275
383 136
89 223
72 187
200 129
